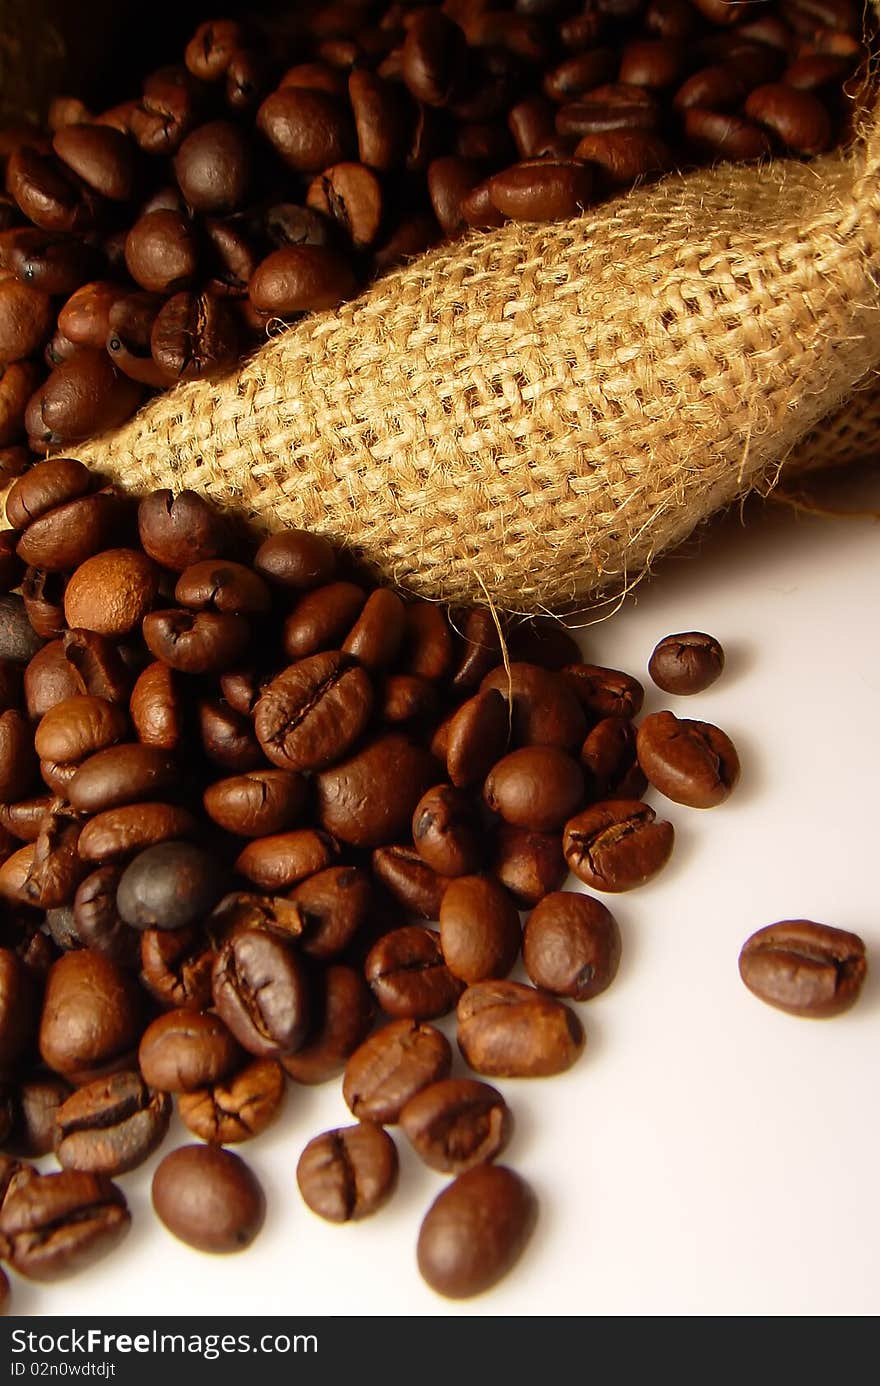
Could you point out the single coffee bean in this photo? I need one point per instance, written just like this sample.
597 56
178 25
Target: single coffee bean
377 635
258 804
169 886
481 650
301 279
85 395
529 865
604 692
322 618
98 663
456 1124
70 533
475 1231
446 831
427 651
157 707
579 74
37 1101
348 1174
19 641
77 727
544 708
686 663
121 774
381 120
178 531
54 1224
536 787
617 844
625 156
310 130
450 179
342 1016
195 336
433 57
797 118
213 168
368 800
542 189
278 862
506 1030
721 135
48 679
85 317
391 1067
238 1109
614 106
55 870
313 712
261 991
201 642
176 966
571 945
26 318
208 1198
349 194
608 757
690 762
101 156
161 253
714 88
407 698
295 560
410 880
98 925
804 968
212 48
408 975
335 906
111 593
184 1049
92 1016
219 585
120 833
479 929
227 736
112 1125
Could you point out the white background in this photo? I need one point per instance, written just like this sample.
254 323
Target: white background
707 1155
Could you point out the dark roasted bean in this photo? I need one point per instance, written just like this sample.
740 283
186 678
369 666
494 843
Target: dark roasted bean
804 968
311 714
690 762
408 974
686 663
475 1231
119 833
544 706
571 945
195 336
604 692
797 118
176 967
608 756
238 1109
278 862
121 775
92 1016
529 865
169 886
368 800
456 1124
617 844
506 1030
310 130
391 1067
477 737
342 1014
718 135
54 1224
187 1049
261 991
536 787
178 531
410 880
208 1198
347 1174
257 804
201 642
321 619
335 905
98 924
37 1102
479 929
446 831
112 1125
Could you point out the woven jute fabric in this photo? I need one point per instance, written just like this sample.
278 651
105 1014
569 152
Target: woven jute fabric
533 414
851 434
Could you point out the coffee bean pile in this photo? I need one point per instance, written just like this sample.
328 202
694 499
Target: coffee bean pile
250 806
161 240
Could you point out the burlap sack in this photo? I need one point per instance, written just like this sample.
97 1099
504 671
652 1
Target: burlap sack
533 414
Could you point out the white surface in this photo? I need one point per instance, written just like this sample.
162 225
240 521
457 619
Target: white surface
707 1154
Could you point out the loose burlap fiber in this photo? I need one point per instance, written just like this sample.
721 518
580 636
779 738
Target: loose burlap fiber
533 414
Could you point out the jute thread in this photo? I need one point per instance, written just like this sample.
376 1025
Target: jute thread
537 412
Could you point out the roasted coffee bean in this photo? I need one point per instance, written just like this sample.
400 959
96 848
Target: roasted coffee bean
342 1015
719 135
625 156
289 224
433 57
376 636
542 189
714 88
121 775
112 1125
165 112
479 929
25 320
178 531
406 698
314 712
18 381
450 180
60 923
617 844
76 728
92 1016
536 787
36 1104
54 1224
615 106
446 831
214 585
368 800
686 663
17 760
321 619
309 129
68 534
380 118
295 560
506 1030
208 1198
544 708
23 820
55 869
157 707
608 756
212 48
19 1009
49 194
111 593
350 195
18 640
475 1231
410 880
186 1049
690 762
391 1067
83 396
258 804
101 156
161 252
201 642
43 596
213 168
99 666
804 968
98 924
408 975
85 317
243 688
48 679
456 1124
169 886
348 1174
571 945
529 865
261 991
278 862
238 1109
335 905
604 692
227 736
579 74
195 336
176 966
797 118
119 833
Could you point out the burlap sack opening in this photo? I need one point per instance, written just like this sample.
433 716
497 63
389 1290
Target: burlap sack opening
533 414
